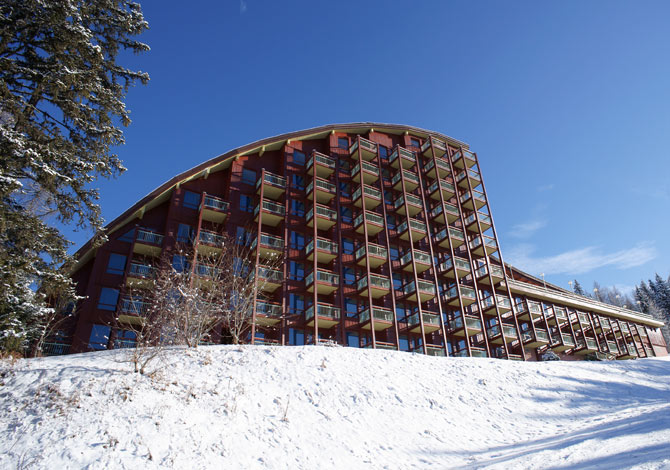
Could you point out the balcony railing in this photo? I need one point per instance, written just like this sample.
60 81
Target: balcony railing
323 212
461 265
378 313
488 241
437 144
475 352
322 245
371 217
206 270
367 167
449 209
215 203
211 238
269 309
152 238
408 175
441 164
269 241
471 322
467 155
270 275
419 257
411 199
508 330
369 192
403 153
373 250
271 207
496 271
377 281
431 319
366 146
320 159
567 339
322 185
503 302
473 175
414 224
466 292
540 335
483 219
325 277
141 270
272 179
424 286
323 310
134 306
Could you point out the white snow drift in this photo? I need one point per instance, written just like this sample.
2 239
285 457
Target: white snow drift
317 407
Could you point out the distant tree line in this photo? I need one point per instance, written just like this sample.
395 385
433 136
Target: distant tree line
652 298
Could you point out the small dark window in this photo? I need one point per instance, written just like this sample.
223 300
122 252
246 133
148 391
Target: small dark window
297 241
296 271
179 263
346 214
298 157
297 208
352 340
343 143
246 203
383 152
108 299
99 337
347 246
191 200
116 264
243 236
298 182
125 339
248 176
414 143
296 337
184 233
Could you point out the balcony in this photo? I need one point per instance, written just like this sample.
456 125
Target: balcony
442 165
382 345
376 255
448 211
422 261
411 180
327 316
379 286
468 296
370 172
206 274
481 243
431 322
435 351
214 209
603 325
443 186
270 247
147 243
414 204
382 318
273 185
568 343
210 243
373 222
372 197
503 303
325 190
325 217
271 214
560 314
580 318
455 237
325 166
627 351
427 291
612 347
474 352
368 149
268 313
534 310
467 200
402 156
140 275
586 347
269 280
496 273
463 158
484 222
327 282
437 149
416 228
446 268
473 326
326 251
508 331
540 338
472 178
133 311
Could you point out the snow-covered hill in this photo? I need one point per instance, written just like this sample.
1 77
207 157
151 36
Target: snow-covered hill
318 407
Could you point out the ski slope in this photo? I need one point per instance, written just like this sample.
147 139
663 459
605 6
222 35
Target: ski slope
312 407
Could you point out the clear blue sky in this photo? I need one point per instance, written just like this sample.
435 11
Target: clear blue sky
567 104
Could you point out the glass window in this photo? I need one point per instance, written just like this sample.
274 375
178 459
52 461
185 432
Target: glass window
414 142
179 263
347 246
108 298
99 337
345 165
116 264
296 337
296 271
297 208
298 181
346 214
343 142
383 152
129 236
350 307
345 189
246 203
390 221
191 200
395 254
184 233
248 176
298 157
125 339
296 241
404 343
352 340
296 304
349 276
243 236
397 281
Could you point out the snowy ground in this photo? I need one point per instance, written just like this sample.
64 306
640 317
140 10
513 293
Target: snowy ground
317 407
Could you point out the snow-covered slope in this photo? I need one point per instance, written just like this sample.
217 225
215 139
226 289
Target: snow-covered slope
319 407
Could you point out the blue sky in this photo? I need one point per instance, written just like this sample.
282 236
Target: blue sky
566 103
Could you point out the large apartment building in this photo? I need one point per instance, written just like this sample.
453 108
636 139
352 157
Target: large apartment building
388 241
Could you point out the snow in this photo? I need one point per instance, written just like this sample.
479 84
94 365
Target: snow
319 407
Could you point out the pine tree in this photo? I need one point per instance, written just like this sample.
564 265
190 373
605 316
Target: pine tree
578 288
61 95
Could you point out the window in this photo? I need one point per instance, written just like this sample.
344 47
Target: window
296 241
346 214
179 263
116 264
397 281
248 176
349 276
298 181
99 337
395 254
350 307
242 236
246 203
347 246
390 222
345 165
298 157
129 236
403 344
125 339
296 271
414 142
191 200
296 337
345 189
108 298
343 142
352 340
297 208
184 233
383 152
296 304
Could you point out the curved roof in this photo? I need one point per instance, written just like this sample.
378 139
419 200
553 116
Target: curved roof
159 194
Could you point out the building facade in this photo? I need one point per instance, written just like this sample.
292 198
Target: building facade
388 241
